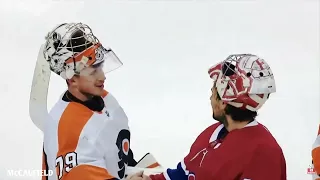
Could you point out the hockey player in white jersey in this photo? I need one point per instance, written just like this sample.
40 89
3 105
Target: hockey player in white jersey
87 135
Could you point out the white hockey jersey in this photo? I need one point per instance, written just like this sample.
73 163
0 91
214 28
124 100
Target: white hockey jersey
80 144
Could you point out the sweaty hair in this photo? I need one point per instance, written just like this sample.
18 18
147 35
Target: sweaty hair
238 114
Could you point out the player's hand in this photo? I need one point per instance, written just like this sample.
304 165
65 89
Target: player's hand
145 177
138 176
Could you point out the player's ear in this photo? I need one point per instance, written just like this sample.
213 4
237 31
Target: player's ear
223 104
72 81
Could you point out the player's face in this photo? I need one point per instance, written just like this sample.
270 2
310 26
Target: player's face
91 81
218 107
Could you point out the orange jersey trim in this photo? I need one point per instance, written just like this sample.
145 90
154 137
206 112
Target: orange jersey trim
68 137
87 172
68 130
316 155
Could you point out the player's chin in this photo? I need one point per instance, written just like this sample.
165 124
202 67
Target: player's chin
214 115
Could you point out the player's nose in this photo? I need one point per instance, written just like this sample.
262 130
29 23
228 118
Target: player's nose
101 76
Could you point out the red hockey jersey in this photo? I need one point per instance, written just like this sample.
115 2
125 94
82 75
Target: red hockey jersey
250 153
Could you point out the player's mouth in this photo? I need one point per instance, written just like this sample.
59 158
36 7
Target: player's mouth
100 86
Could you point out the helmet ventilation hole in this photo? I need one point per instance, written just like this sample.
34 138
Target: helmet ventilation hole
261 74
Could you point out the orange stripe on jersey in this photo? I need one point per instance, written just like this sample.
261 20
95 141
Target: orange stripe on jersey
153 165
71 123
316 158
105 93
88 172
316 154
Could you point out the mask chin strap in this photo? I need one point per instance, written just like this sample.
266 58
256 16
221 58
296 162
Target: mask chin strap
77 67
69 73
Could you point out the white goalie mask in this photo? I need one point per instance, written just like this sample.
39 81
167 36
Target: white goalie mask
71 47
243 80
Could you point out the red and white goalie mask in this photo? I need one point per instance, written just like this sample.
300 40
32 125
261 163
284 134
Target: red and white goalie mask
243 80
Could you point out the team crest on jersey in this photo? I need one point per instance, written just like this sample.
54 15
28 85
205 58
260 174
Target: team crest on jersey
123 144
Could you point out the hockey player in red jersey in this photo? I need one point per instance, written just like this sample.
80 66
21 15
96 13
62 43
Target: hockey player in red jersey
237 147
